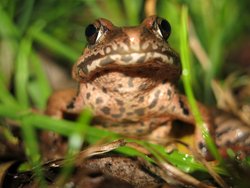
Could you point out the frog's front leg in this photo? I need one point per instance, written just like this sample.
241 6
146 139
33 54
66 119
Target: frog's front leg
52 144
58 103
65 104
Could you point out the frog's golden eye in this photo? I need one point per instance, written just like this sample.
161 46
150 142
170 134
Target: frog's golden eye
164 28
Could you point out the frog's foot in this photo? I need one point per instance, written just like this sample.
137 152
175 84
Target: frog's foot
58 103
163 135
52 146
138 129
231 133
160 135
133 130
181 112
65 104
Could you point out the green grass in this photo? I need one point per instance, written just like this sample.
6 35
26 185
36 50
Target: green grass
186 76
30 28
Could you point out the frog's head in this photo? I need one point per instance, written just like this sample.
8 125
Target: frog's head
140 51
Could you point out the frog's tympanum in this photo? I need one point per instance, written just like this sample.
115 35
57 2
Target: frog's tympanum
127 76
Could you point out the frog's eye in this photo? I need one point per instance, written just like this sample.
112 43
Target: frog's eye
93 33
163 28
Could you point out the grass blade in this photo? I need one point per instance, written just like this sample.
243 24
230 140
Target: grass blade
114 11
32 152
95 9
7 28
133 10
185 57
25 17
53 44
5 96
39 88
22 71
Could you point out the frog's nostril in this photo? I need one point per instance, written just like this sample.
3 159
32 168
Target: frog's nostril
133 34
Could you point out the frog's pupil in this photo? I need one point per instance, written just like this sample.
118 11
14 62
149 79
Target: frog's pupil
165 26
90 30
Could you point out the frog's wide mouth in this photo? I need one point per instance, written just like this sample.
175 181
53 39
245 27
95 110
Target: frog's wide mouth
129 62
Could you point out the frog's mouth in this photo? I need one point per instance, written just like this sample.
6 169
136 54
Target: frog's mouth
147 64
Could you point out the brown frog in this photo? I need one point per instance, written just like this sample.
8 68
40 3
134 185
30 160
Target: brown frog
127 76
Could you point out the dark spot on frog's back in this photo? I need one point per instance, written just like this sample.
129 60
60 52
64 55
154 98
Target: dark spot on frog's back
139 111
106 60
183 107
104 90
119 102
201 146
71 104
141 99
139 131
129 113
155 100
106 110
116 115
169 93
122 109
88 95
98 100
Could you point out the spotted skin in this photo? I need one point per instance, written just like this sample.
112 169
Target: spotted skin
231 133
127 77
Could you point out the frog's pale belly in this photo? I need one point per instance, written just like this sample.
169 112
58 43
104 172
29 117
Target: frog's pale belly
127 77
